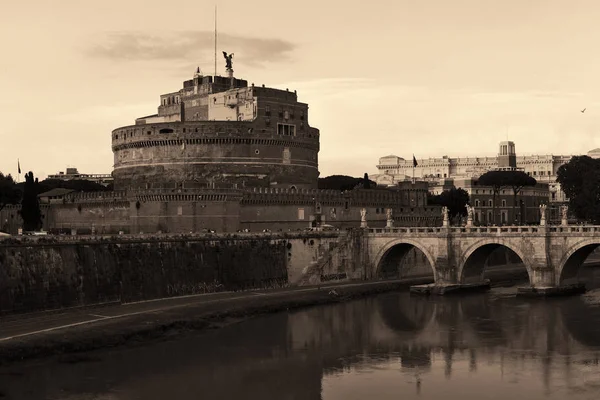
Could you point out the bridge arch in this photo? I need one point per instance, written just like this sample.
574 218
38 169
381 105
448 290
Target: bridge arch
471 266
570 264
396 249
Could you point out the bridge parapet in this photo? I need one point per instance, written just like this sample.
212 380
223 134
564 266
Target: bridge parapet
552 255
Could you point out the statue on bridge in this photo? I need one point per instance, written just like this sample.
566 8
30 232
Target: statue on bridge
564 215
470 210
542 214
363 218
445 216
390 219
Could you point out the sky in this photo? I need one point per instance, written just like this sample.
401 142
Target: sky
402 77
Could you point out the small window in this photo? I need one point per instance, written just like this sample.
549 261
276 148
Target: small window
179 210
490 203
503 203
301 213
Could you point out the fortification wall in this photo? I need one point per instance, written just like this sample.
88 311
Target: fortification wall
159 155
39 273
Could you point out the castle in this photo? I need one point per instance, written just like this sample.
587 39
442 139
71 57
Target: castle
222 155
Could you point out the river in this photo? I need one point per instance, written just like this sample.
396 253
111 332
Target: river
392 346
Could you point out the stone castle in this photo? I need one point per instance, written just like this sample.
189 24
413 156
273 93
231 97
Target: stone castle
222 155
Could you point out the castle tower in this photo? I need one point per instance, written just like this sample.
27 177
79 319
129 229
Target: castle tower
507 157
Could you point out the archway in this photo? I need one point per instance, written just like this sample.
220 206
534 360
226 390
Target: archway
494 261
573 260
404 259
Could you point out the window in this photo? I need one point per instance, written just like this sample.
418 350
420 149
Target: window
503 203
179 210
477 203
490 203
301 213
286 129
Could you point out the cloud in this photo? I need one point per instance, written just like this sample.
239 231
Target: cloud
182 46
107 113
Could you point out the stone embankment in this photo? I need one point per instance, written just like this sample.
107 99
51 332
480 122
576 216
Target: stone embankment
56 272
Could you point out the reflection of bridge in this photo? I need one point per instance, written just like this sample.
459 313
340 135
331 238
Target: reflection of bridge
552 255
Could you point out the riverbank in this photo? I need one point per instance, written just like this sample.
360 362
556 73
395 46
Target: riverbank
23 338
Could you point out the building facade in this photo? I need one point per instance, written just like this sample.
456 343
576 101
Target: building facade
543 168
219 129
72 174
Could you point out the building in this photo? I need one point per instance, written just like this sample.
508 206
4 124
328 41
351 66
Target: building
543 168
222 155
219 129
525 211
72 174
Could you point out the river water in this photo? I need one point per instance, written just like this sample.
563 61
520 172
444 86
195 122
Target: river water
392 346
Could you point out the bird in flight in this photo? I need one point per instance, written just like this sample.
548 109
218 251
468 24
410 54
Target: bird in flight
583 110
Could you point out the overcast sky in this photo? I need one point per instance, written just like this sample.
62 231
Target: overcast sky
429 77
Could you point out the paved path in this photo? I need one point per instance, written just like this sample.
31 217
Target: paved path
20 326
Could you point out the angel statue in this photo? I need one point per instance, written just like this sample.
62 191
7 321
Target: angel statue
445 212
228 60
469 211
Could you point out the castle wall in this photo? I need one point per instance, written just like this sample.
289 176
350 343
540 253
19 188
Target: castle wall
181 216
234 152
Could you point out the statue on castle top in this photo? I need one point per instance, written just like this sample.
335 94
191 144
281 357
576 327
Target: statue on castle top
388 213
228 58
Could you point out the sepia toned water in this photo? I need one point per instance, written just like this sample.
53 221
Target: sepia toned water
392 346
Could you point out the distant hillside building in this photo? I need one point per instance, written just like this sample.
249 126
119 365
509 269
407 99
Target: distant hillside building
394 169
72 174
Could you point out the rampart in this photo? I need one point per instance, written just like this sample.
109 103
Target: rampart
40 273
164 154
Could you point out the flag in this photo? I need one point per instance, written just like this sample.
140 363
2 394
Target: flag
414 161
19 165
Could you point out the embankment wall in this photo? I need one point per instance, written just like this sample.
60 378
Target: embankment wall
42 273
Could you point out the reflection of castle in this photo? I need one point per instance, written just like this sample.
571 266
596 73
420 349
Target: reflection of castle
224 155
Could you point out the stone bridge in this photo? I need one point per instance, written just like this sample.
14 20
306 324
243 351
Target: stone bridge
552 255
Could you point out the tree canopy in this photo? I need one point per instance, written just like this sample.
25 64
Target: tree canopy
455 199
344 182
30 205
80 185
580 180
9 191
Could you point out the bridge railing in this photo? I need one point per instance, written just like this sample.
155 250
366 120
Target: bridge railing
491 229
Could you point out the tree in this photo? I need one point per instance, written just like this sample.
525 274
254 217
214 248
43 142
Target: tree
455 199
497 180
366 182
9 192
342 182
79 185
30 205
580 180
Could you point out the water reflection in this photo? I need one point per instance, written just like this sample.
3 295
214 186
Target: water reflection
387 347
